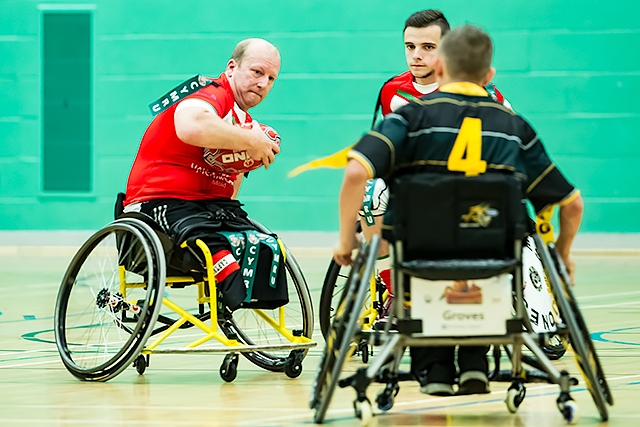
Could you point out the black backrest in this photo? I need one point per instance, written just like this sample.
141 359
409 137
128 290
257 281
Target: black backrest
118 209
450 216
179 262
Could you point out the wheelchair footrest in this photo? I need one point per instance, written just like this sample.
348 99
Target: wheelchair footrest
233 349
530 376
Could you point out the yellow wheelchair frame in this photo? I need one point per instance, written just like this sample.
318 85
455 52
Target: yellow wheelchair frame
117 293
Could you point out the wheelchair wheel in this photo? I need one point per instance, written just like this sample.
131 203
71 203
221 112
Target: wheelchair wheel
579 336
248 327
592 357
343 329
100 324
539 300
334 285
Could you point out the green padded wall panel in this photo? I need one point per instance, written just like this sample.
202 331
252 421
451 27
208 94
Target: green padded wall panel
570 68
66 101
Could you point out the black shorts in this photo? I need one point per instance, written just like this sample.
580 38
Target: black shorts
182 220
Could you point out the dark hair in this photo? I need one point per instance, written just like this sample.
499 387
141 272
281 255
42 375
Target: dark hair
427 18
467 52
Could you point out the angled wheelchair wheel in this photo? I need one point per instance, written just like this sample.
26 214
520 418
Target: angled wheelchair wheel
344 327
540 302
332 288
109 300
579 336
335 282
591 357
249 327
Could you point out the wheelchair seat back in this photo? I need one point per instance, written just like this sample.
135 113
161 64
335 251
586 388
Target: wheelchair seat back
179 262
451 226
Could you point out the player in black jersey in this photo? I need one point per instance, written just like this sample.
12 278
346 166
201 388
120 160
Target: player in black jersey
458 129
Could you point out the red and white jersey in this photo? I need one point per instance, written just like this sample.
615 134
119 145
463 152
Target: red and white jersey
401 89
166 167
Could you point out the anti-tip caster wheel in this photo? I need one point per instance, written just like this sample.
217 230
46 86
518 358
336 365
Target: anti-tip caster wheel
229 368
385 401
293 366
140 363
386 397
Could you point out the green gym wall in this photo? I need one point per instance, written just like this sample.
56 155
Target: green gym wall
76 79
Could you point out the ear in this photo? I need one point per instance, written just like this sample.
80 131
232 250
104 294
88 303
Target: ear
438 68
231 66
488 77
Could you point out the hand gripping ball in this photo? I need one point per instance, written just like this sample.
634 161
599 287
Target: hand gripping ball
229 161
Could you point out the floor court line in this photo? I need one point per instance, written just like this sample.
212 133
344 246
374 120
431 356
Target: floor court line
39 391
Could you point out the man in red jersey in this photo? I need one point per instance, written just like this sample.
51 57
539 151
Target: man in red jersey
423 32
193 155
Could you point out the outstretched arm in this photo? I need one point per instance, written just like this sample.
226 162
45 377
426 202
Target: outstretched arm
350 201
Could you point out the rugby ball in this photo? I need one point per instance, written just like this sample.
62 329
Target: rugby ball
229 161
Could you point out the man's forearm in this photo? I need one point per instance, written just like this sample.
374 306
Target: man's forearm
205 129
570 219
350 201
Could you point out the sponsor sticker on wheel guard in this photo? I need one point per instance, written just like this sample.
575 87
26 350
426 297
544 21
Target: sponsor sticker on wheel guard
462 307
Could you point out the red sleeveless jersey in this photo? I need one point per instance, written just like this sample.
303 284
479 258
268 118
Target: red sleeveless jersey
166 167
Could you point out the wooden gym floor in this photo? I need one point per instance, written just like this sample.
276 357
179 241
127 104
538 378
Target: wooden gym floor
186 390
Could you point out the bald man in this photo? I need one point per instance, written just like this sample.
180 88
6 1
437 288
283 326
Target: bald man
197 149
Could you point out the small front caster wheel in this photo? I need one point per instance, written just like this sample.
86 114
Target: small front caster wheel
363 348
570 411
363 411
515 396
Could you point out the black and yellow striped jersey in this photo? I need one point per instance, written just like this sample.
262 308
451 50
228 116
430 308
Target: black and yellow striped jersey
461 129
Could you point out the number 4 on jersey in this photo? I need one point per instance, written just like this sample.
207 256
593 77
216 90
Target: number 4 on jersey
469 142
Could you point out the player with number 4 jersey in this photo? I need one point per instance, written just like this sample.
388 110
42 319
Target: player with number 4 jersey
458 129
422 35
468 132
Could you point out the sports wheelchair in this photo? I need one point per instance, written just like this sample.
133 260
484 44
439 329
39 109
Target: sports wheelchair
121 288
541 308
433 244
